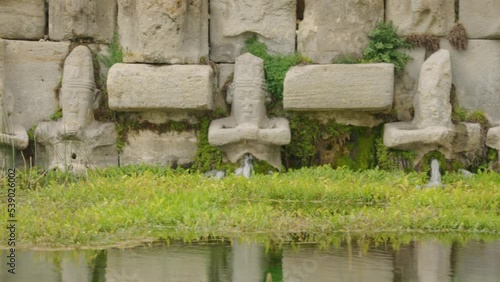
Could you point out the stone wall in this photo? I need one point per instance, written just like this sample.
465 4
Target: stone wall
178 55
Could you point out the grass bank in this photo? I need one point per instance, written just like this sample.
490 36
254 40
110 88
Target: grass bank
135 203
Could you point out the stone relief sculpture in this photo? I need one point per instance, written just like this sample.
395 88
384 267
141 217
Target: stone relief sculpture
248 129
431 127
77 141
13 136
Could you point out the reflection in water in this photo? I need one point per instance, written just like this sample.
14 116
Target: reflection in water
427 260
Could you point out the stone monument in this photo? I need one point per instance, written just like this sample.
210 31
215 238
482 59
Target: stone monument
248 129
431 128
13 136
77 141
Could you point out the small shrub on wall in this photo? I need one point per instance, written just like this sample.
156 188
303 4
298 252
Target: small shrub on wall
384 45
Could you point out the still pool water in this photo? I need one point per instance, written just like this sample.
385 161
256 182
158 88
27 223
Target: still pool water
426 260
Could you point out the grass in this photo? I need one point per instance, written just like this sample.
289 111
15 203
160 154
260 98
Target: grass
138 203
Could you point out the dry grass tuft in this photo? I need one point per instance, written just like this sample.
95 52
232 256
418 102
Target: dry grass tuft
458 37
428 41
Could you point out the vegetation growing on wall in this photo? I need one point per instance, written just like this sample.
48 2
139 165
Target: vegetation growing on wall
275 66
384 47
391 159
428 41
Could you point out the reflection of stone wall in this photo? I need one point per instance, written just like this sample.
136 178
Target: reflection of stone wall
153 34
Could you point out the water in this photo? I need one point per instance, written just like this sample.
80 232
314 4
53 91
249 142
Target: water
426 261
435 180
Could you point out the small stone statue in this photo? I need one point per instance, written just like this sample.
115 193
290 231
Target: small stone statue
248 129
13 137
77 141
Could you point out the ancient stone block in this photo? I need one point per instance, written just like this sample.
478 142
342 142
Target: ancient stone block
405 86
32 74
234 21
360 87
476 76
481 18
421 16
171 148
174 32
22 19
333 29
140 87
71 19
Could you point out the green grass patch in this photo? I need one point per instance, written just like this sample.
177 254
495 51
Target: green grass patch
136 203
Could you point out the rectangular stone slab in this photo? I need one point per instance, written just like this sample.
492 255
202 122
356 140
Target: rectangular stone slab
33 71
360 87
22 19
142 87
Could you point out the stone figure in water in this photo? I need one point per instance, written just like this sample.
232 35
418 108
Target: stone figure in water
248 129
13 136
77 141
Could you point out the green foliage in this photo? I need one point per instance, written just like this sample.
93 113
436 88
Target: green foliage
115 53
390 159
425 163
57 114
304 138
31 133
384 45
133 203
361 150
207 156
275 66
126 123
477 117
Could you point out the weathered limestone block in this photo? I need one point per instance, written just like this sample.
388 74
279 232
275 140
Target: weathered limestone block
421 16
248 129
431 128
71 19
234 21
171 148
174 32
22 19
140 87
12 135
476 76
405 86
32 74
77 141
360 87
432 102
335 28
493 138
467 137
480 18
